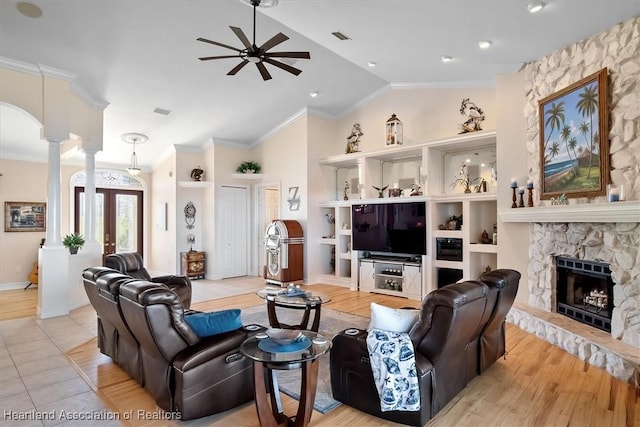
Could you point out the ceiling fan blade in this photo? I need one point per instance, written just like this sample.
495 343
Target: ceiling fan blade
200 39
207 58
237 68
263 71
240 34
283 66
300 55
274 41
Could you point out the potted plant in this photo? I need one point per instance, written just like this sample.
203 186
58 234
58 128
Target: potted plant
73 241
248 167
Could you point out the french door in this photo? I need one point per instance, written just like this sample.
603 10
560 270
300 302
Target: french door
118 219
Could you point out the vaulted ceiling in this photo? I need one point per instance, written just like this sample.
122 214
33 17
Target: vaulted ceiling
141 55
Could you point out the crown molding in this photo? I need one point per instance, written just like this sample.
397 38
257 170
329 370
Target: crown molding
445 85
23 67
56 73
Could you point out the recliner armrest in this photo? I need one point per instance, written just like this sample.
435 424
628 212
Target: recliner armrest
209 348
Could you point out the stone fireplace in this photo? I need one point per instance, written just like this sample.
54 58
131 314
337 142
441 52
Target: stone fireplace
603 237
584 291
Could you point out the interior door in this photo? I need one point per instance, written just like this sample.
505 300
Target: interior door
118 219
234 226
268 210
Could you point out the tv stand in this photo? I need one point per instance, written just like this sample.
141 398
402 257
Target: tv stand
391 275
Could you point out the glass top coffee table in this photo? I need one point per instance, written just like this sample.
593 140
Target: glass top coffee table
267 359
299 300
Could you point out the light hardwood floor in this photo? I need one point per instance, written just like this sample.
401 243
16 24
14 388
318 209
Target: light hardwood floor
537 385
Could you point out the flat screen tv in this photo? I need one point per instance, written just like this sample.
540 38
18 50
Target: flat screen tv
390 227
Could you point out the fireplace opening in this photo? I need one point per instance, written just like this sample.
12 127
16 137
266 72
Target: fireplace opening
584 291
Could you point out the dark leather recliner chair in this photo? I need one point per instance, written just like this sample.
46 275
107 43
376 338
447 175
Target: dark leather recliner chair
106 331
120 344
185 373
131 264
503 287
444 338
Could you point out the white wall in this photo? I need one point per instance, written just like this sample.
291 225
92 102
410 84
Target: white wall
511 154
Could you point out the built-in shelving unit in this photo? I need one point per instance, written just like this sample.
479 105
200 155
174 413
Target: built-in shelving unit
248 176
195 184
432 165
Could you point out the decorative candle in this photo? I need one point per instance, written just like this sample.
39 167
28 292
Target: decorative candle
520 190
614 195
529 183
514 183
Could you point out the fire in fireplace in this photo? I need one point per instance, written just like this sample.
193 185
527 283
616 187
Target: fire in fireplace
584 291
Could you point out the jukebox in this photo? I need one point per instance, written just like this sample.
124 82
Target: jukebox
284 258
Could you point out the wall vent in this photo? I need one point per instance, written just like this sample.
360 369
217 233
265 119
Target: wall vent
341 36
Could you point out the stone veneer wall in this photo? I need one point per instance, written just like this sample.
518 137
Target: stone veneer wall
616 244
618 49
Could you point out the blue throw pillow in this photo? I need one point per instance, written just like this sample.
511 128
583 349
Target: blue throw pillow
217 322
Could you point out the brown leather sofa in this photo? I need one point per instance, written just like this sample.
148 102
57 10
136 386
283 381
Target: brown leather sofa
145 333
131 264
448 339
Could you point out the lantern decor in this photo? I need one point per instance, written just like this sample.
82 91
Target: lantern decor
394 130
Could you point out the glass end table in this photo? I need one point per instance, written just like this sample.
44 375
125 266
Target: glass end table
300 300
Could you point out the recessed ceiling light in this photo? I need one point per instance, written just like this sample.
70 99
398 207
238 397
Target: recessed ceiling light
446 58
313 94
372 64
341 36
484 44
535 6
29 10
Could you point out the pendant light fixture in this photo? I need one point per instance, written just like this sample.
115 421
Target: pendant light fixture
134 138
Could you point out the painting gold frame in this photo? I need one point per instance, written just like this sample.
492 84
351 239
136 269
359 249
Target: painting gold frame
574 139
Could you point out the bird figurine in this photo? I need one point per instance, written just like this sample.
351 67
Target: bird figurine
380 190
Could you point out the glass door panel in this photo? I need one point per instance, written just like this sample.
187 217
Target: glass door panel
126 223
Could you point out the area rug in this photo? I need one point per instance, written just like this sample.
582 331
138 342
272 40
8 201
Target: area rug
331 323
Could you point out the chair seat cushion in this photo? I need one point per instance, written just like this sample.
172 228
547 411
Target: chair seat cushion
214 323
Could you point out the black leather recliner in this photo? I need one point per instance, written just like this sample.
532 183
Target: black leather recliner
131 264
119 344
503 287
448 340
194 376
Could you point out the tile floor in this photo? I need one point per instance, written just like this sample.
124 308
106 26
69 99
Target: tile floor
38 382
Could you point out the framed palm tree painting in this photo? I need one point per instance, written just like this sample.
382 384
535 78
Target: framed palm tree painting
574 139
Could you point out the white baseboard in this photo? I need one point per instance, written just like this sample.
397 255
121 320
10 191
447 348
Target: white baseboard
16 285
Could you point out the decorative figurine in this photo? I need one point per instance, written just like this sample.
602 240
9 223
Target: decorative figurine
474 114
354 139
380 191
463 179
415 190
196 174
330 218
346 189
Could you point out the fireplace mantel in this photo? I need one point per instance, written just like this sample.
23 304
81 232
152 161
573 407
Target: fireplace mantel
592 212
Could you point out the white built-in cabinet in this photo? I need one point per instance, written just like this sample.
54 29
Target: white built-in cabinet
434 166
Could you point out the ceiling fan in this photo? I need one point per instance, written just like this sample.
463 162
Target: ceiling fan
257 55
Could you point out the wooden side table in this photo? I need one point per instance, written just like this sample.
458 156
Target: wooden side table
193 264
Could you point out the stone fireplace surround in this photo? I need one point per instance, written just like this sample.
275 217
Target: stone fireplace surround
616 242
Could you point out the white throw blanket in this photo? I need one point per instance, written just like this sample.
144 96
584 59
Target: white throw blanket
394 370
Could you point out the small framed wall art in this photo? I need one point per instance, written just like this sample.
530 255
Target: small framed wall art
25 216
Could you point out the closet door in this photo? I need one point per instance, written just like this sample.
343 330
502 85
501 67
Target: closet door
234 230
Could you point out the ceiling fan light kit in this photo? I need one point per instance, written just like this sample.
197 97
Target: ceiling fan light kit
258 55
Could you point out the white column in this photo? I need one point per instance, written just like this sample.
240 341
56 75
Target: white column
53 194
90 198
54 258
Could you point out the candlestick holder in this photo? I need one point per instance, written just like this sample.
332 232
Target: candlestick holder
530 199
521 203
513 199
